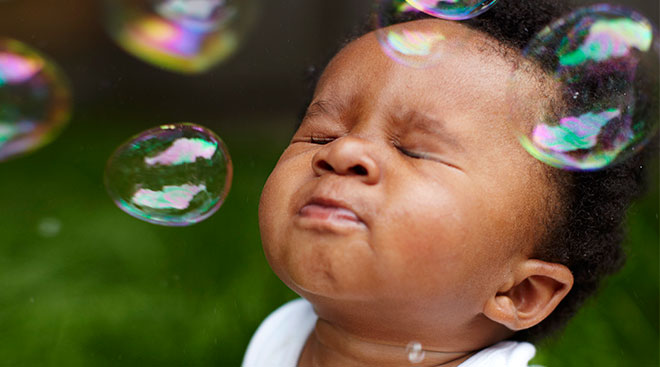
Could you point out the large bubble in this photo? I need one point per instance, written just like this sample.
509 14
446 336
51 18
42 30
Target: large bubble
593 106
452 9
419 46
35 99
172 175
187 36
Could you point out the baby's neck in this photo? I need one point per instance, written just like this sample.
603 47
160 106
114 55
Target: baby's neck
330 346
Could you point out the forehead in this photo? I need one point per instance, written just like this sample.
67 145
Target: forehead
469 61
469 79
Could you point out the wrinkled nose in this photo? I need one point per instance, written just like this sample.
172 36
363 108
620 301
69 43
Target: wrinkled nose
347 156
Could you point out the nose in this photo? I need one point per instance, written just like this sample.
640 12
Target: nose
348 156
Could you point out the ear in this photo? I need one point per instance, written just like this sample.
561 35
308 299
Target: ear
534 292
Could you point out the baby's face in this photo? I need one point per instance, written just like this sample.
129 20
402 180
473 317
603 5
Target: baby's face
404 187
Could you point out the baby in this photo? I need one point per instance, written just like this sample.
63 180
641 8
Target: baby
413 223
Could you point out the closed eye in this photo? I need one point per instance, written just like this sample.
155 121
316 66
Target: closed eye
320 140
412 154
427 156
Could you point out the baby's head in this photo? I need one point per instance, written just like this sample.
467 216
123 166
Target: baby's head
405 209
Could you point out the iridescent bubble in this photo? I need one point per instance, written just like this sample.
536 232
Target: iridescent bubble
415 352
172 175
35 99
187 36
593 106
49 227
452 9
420 46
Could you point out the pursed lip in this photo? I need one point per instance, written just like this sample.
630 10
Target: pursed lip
330 211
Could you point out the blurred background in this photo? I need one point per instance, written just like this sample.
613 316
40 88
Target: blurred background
84 284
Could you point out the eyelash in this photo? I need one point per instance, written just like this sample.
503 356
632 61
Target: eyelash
425 156
395 142
410 154
320 141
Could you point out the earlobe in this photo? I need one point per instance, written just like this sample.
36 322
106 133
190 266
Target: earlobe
537 289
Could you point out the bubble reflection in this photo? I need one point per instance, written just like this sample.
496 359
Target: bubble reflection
173 175
452 9
35 99
593 110
419 47
187 36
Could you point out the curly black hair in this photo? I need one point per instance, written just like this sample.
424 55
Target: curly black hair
586 228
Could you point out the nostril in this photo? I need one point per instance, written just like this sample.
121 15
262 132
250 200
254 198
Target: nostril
359 170
324 165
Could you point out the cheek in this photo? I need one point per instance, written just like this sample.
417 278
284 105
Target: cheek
267 218
273 202
279 187
267 206
275 205
514 209
428 232
437 242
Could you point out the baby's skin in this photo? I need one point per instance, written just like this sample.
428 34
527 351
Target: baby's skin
404 209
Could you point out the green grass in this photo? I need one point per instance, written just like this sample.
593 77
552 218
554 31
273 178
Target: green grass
110 290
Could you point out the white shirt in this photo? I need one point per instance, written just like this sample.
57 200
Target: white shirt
279 341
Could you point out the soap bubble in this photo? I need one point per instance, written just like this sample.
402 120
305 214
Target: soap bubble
415 352
35 99
420 46
172 175
452 9
594 107
186 36
49 227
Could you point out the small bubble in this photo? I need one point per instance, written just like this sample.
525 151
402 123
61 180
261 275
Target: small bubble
49 227
415 352
414 47
421 46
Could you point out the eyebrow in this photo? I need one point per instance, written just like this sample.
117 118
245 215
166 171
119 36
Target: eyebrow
330 107
325 107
